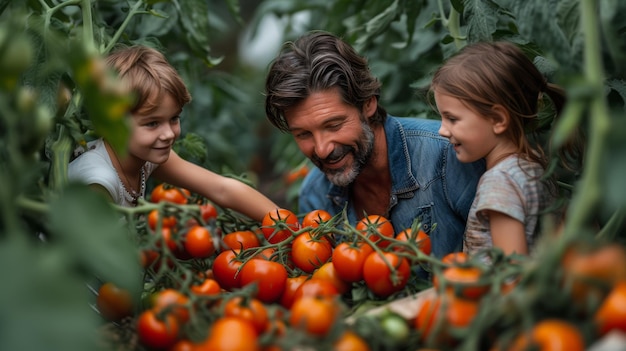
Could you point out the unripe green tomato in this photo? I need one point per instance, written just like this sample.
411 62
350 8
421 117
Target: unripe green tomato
26 100
395 327
16 55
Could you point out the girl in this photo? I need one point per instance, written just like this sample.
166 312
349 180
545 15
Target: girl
155 124
488 95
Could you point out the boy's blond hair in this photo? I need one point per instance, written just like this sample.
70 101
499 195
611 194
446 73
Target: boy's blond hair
147 73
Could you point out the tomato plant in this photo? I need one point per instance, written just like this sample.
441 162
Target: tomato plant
249 309
157 333
270 278
376 227
198 242
278 225
382 279
226 270
241 240
309 252
114 303
349 260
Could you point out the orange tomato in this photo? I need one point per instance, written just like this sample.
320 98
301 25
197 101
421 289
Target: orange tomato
550 335
350 341
456 313
163 192
166 221
207 287
462 281
318 288
455 258
241 240
316 316
611 315
114 303
328 272
309 253
173 301
251 310
291 286
230 334
199 242
314 218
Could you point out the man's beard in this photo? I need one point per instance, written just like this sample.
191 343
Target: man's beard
346 175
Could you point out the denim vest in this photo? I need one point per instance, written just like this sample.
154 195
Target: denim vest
428 182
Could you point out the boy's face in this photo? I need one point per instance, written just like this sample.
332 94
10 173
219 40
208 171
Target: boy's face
153 134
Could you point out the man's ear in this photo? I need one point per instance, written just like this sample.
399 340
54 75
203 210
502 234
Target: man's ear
500 119
370 106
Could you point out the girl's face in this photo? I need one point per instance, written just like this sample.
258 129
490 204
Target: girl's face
153 135
472 135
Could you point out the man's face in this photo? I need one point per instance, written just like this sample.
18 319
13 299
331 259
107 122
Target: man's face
334 135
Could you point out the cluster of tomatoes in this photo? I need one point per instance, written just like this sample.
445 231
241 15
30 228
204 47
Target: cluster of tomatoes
275 285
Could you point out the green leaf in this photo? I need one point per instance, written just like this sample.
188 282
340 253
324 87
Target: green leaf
97 235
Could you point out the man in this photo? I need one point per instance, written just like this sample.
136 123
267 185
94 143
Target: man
322 92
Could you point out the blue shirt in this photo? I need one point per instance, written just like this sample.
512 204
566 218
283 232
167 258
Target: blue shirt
428 182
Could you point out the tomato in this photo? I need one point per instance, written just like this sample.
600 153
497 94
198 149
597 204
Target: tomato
318 288
155 333
308 253
296 174
250 309
395 327
208 212
173 301
314 218
550 335
291 286
463 281
226 270
241 240
270 277
199 242
113 302
379 278
230 334
148 257
376 227
590 269
327 272
456 313
611 315
278 225
420 239
166 222
265 254
349 260
163 192
183 345
316 316
455 258
207 287
350 341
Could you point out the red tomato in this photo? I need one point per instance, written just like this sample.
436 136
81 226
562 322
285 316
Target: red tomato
612 312
349 260
225 270
113 302
456 313
241 240
455 258
230 334
327 272
291 286
463 281
379 277
421 240
251 310
208 212
308 253
317 288
313 315
278 225
199 242
173 301
270 277
375 227
314 218
156 333
163 192
207 287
